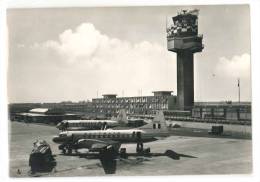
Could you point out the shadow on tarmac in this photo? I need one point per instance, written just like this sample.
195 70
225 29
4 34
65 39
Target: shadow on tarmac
109 158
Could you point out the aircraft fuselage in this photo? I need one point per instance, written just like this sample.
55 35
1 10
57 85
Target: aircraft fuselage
122 136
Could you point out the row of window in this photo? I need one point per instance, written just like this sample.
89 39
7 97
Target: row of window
132 100
112 135
146 106
89 124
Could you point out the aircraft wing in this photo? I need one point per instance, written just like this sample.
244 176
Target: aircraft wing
97 145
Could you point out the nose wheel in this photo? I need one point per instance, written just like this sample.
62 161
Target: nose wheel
65 149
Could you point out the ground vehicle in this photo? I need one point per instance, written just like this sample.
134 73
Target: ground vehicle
41 158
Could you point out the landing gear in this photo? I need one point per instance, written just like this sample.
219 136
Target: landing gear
69 150
66 149
123 153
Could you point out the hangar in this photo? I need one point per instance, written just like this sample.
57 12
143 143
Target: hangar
44 115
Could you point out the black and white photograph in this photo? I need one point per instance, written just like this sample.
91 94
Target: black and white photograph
129 91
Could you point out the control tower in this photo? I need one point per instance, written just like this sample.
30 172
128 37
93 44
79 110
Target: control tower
183 38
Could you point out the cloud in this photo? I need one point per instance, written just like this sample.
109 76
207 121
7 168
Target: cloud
83 61
236 67
224 84
81 44
111 64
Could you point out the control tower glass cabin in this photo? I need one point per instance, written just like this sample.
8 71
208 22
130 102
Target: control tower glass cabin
183 38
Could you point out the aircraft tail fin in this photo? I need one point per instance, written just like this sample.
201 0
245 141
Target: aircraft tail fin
121 117
158 122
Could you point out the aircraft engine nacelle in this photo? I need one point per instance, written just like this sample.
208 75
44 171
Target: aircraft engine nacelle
83 143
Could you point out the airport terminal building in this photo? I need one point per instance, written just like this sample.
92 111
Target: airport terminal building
110 103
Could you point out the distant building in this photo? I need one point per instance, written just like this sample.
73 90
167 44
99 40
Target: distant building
109 96
222 111
71 107
44 115
110 103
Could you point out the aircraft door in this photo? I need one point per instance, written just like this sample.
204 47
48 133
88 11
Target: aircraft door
66 126
104 127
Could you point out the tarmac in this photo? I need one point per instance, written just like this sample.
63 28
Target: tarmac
211 155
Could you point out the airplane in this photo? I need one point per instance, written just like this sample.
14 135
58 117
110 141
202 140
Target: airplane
107 140
72 125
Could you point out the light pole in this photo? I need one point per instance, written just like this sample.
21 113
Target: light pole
238 85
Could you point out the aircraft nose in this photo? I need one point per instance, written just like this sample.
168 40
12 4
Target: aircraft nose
56 139
58 125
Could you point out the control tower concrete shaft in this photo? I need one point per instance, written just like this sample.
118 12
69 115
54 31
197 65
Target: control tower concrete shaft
183 38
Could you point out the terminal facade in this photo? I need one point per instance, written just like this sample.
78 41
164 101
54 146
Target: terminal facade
110 103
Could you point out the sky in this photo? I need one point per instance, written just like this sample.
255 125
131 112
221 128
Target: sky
81 53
